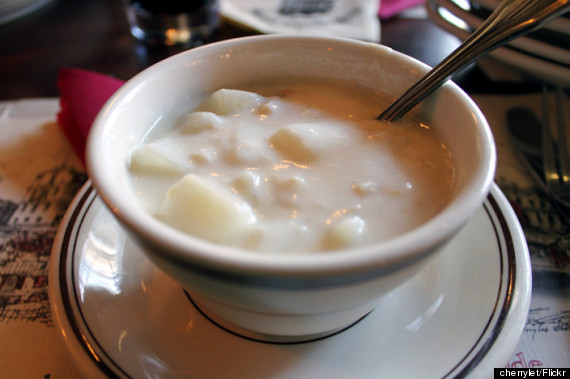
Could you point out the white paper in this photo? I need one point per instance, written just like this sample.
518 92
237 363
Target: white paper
356 19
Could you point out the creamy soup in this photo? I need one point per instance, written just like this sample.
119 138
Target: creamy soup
295 168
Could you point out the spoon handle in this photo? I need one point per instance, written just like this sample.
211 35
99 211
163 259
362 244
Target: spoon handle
511 19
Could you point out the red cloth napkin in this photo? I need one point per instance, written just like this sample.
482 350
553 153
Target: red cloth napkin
82 94
389 8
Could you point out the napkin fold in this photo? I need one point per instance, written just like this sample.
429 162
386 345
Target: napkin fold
82 95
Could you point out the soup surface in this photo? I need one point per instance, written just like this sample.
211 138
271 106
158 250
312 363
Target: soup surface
293 167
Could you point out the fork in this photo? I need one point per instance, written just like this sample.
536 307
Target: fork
556 160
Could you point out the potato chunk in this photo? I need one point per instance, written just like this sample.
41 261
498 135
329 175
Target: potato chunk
248 186
228 101
306 142
344 233
286 190
205 210
197 122
149 160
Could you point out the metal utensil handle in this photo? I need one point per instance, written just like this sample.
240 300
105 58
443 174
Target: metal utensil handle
511 19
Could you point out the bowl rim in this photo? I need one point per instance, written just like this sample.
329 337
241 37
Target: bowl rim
175 244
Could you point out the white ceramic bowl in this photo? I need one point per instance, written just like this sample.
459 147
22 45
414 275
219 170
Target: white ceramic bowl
273 296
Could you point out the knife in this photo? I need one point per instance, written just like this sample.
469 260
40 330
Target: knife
526 131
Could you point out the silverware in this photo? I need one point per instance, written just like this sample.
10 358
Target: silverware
556 161
511 19
546 160
525 130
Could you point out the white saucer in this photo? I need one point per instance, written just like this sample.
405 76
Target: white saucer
121 317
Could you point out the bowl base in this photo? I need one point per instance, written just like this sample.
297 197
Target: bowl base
265 337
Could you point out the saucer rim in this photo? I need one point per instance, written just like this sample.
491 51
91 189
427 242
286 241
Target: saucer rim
516 304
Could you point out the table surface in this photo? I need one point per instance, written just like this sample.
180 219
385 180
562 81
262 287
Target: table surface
94 35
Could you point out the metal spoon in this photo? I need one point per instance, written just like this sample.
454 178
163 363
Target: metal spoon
511 19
